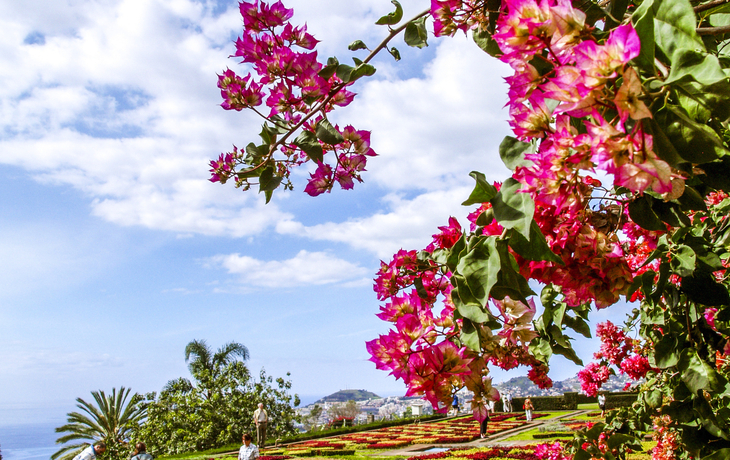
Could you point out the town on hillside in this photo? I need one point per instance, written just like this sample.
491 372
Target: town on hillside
371 407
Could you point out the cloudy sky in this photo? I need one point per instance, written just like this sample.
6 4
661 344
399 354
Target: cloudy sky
116 250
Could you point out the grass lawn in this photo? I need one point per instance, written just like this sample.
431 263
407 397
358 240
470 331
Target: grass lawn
588 406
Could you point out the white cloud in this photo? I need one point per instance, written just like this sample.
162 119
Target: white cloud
306 268
120 102
432 131
407 224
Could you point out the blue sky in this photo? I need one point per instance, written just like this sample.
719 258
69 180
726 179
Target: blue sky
116 249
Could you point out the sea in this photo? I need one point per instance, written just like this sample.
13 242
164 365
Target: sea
28 431
28 441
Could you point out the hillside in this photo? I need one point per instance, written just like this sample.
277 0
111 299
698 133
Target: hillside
523 386
347 395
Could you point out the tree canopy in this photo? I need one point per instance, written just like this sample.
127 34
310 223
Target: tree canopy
113 419
216 409
619 191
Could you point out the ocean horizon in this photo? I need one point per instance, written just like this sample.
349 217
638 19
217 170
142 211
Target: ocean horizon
28 441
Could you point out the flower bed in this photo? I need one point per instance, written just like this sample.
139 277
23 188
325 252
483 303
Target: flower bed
485 453
451 431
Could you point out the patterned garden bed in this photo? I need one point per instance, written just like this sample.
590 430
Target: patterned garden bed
455 430
484 453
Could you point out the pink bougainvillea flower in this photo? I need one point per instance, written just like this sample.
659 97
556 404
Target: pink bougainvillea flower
320 181
448 236
627 98
530 121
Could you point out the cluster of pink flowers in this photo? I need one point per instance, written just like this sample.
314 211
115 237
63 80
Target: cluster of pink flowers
617 349
289 82
583 84
450 16
419 349
667 440
552 451
592 377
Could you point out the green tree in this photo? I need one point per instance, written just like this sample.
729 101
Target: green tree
218 407
205 366
350 409
112 420
312 419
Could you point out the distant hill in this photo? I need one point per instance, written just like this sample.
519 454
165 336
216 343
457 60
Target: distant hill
347 395
523 386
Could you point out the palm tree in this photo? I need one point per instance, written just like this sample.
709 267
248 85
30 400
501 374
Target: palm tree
111 420
204 359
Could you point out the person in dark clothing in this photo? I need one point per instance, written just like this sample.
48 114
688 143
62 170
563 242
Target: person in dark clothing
483 426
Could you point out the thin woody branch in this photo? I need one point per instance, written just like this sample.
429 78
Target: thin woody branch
713 30
709 5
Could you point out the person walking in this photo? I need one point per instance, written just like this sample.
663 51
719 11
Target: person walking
602 404
455 405
91 452
509 401
483 426
528 409
248 451
261 419
140 452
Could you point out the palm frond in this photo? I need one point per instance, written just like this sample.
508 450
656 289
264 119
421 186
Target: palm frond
229 351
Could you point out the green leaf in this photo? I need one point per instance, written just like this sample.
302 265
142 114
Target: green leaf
466 304
654 398
702 288
695 142
308 142
643 215
699 66
362 70
717 174
330 69
416 34
536 248
618 439
512 151
483 191
567 352
670 213
470 335
665 352
703 102
683 261
455 253
344 72
357 45
420 288
578 325
514 209
484 40
480 268
394 52
327 133
643 20
697 374
268 182
663 147
541 349
618 9
675 27
722 454
691 200
392 18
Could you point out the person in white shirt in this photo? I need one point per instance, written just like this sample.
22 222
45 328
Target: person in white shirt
261 419
248 451
91 452
602 404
